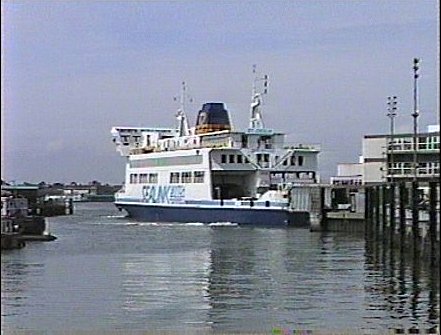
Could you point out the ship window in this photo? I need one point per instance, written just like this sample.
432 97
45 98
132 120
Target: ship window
266 158
133 178
224 158
247 160
231 159
153 178
266 141
174 177
293 160
143 178
244 141
300 160
259 157
285 162
186 177
239 159
199 176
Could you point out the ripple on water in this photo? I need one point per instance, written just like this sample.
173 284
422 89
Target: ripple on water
106 271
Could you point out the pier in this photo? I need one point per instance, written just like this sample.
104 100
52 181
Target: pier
403 215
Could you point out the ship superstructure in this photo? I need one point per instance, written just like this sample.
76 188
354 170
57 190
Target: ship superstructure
211 172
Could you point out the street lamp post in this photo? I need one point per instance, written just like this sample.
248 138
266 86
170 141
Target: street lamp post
391 113
415 114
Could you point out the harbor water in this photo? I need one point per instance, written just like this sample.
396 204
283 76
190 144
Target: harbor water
107 272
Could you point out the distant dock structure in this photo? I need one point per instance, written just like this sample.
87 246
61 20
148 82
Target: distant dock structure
386 195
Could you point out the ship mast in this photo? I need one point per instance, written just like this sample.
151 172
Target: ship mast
183 128
256 117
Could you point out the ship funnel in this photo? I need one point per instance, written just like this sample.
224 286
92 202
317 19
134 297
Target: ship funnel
212 117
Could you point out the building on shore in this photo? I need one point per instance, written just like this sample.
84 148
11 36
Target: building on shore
384 159
93 191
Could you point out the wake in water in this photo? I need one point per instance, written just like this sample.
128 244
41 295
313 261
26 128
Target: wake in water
188 224
115 216
160 224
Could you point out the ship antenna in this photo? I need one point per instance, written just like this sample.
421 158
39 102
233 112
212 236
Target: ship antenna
183 128
256 117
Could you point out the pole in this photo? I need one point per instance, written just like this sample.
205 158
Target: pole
392 113
415 115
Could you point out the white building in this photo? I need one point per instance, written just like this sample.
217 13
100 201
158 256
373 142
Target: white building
383 160
349 174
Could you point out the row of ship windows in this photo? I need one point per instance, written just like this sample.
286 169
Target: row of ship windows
239 159
187 177
143 178
175 177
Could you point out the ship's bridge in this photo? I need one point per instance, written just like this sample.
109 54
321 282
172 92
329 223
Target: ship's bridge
130 140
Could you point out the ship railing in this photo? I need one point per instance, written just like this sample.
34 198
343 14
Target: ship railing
188 146
315 147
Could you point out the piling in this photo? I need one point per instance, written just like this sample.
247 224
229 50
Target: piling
392 214
368 211
433 195
384 213
415 218
323 221
68 207
366 204
377 211
402 207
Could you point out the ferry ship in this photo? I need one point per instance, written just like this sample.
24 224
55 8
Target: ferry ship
211 173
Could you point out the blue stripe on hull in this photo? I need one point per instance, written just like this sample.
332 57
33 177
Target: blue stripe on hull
210 215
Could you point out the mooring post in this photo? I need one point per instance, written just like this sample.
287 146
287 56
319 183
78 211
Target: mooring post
415 218
68 206
403 191
367 211
384 212
323 211
433 194
392 214
366 204
377 212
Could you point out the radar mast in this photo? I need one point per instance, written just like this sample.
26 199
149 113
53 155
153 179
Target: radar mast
256 117
183 128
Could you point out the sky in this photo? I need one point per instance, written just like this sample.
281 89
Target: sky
70 70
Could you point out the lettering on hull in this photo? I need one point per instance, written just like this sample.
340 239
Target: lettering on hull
163 194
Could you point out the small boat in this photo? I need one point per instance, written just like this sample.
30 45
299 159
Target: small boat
17 221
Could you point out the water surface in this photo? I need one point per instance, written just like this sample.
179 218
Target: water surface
107 272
